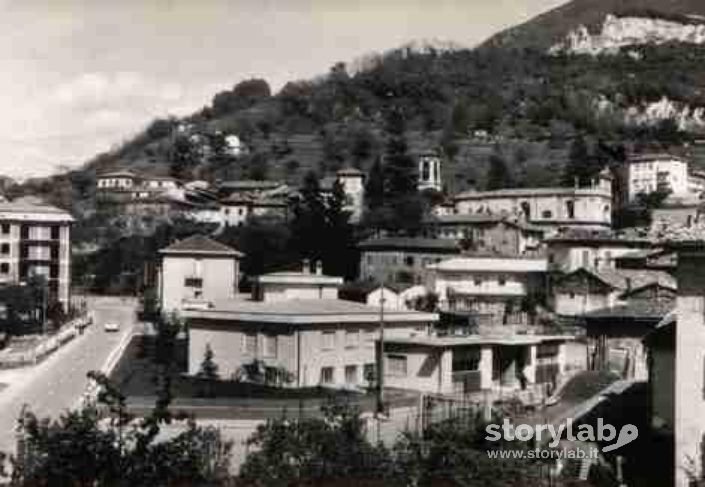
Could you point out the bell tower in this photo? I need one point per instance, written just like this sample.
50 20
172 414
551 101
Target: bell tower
429 171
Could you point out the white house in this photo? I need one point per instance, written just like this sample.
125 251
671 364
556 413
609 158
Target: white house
196 272
474 366
574 249
316 342
304 284
489 285
650 172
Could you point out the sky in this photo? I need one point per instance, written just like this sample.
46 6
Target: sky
80 77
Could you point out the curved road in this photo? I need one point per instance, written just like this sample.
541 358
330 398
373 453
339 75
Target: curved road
58 383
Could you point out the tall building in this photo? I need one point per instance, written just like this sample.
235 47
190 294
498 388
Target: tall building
35 240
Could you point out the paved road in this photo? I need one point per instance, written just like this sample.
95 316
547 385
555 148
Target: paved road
58 383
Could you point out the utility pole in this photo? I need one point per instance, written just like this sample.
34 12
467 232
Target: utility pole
380 368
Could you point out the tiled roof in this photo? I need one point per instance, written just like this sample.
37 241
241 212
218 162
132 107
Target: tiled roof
200 244
632 236
654 156
249 184
31 208
635 278
464 218
531 192
409 243
350 171
642 309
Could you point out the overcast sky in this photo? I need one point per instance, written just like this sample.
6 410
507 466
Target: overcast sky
78 77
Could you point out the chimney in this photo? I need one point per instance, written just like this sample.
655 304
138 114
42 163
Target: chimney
306 266
319 268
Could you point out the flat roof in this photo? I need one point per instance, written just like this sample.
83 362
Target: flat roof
504 263
29 209
459 341
408 243
532 192
292 277
304 312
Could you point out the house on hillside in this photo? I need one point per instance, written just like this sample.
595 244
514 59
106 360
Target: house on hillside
585 290
486 232
550 208
402 260
574 249
497 289
649 172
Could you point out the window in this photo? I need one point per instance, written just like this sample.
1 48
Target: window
5 228
477 281
571 295
327 375
369 372
55 233
502 280
270 346
547 214
328 340
5 249
409 261
24 231
351 374
193 282
4 268
370 337
250 343
352 337
570 209
396 365
585 258
466 360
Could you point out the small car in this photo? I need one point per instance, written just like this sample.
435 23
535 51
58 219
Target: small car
111 327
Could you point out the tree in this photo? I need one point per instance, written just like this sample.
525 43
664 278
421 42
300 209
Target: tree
309 222
498 175
374 186
101 444
319 450
183 157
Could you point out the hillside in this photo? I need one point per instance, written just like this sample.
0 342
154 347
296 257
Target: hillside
510 97
545 30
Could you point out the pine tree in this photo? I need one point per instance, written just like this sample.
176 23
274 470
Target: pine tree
374 186
309 222
498 175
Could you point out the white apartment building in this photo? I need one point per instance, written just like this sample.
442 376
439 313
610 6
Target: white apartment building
650 172
35 239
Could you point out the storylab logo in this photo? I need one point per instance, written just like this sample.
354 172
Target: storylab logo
603 433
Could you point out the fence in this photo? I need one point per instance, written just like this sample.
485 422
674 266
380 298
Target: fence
33 349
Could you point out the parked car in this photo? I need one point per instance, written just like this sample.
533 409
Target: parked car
111 327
